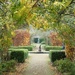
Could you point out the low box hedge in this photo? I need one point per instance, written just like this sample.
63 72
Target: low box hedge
30 48
47 48
18 54
56 55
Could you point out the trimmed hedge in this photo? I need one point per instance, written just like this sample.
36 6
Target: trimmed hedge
56 55
47 48
30 48
19 54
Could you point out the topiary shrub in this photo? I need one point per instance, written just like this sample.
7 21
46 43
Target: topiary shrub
47 48
56 55
19 54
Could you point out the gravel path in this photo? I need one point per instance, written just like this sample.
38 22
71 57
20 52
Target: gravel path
38 65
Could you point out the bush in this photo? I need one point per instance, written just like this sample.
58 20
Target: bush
19 54
30 48
47 48
56 55
8 66
65 66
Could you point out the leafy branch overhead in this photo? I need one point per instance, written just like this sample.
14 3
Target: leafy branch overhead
45 14
57 15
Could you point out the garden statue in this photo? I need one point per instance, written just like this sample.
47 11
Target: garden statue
40 48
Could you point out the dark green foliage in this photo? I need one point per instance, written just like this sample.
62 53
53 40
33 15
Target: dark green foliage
56 55
65 66
30 48
47 48
42 40
7 66
19 55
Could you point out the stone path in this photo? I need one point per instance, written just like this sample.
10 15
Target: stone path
38 65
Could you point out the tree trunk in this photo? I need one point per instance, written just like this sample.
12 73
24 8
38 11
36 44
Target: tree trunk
70 52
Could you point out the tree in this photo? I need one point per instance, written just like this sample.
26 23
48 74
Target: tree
61 16
6 27
67 29
58 15
63 23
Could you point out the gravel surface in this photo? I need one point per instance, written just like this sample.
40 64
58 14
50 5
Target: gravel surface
38 65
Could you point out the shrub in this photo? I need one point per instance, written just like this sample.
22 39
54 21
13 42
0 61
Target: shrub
8 66
33 45
65 66
30 48
56 55
47 48
19 54
26 54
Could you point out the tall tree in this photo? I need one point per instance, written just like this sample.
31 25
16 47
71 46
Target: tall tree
6 27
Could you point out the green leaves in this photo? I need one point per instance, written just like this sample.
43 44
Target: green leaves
6 25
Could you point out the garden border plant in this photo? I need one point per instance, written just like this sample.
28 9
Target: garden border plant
30 48
47 48
8 66
65 66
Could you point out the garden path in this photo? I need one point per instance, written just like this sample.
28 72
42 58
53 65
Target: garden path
38 65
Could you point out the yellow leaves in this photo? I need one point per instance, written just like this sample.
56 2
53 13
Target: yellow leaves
44 0
74 12
20 12
12 33
57 3
60 5
24 12
22 1
22 9
7 26
66 2
41 22
5 37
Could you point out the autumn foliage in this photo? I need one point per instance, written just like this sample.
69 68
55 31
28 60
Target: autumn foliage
54 39
21 38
